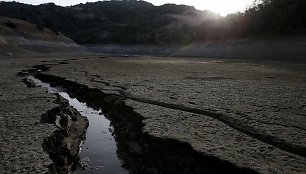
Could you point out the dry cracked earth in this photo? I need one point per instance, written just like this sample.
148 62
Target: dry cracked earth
249 113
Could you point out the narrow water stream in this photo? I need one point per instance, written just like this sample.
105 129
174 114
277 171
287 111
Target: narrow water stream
98 151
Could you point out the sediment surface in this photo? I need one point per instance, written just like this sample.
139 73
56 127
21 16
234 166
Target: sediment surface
22 133
251 114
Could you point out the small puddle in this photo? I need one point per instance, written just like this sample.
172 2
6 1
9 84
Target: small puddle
98 151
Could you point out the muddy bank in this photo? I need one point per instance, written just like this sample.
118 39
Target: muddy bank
64 144
98 149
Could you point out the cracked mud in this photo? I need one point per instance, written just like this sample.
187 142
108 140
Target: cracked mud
98 150
247 113
140 152
194 115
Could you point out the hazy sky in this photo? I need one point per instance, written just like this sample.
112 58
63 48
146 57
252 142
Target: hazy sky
220 6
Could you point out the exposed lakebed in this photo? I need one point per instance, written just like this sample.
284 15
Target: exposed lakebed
98 152
139 151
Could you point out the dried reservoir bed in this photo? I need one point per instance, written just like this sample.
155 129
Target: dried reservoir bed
183 115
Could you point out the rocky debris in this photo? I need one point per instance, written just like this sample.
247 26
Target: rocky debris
63 145
34 69
84 163
28 82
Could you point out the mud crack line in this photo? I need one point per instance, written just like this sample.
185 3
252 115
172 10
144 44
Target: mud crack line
233 123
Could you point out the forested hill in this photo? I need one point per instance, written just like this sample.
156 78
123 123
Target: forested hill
110 21
138 22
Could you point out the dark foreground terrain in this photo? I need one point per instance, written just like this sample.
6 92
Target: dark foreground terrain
246 116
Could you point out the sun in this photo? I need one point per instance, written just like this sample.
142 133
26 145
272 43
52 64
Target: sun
223 7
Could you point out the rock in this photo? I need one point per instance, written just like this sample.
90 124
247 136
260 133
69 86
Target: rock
72 113
84 163
29 83
57 121
111 129
66 121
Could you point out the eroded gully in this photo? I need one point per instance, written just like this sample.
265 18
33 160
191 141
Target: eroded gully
132 150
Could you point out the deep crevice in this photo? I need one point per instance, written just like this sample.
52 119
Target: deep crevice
64 144
231 122
141 152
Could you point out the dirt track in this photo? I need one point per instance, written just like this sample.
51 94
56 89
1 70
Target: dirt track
250 113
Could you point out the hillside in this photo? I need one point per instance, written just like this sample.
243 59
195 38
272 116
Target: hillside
127 22
140 22
17 37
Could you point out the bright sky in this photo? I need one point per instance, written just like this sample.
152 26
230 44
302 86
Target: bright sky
222 7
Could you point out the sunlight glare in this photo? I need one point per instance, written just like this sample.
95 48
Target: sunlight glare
224 7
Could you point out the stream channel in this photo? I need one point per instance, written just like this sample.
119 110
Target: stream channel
98 151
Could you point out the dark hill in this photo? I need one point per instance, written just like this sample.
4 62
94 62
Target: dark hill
19 37
108 21
139 22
